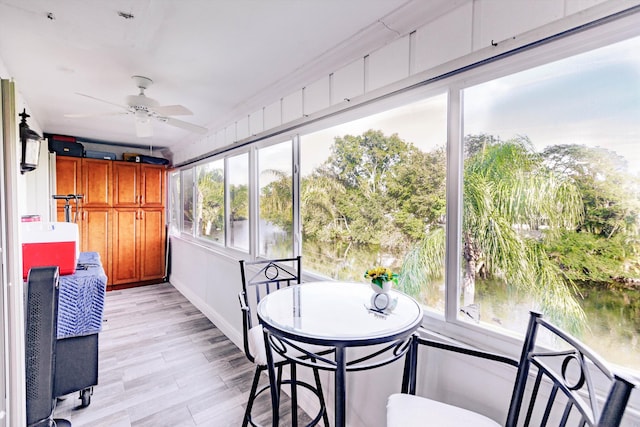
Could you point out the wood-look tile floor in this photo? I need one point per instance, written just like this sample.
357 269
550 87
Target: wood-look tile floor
163 363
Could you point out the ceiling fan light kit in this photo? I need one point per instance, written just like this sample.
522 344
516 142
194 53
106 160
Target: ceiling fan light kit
144 109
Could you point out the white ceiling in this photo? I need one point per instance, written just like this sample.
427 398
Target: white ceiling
219 58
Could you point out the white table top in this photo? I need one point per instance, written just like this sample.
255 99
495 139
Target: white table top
337 312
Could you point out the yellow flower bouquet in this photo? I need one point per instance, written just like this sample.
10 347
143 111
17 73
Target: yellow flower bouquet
380 275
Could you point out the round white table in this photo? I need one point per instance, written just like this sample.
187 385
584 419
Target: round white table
339 315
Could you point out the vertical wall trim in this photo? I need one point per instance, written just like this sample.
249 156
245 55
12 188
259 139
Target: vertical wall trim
476 9
303 98
412 53
331 90
12 285
365 86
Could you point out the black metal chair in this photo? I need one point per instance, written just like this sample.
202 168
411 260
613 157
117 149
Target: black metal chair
552 387
259 278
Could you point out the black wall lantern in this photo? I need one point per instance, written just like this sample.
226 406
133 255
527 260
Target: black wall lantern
30 145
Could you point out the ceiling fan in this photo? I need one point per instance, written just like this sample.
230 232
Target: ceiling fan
145 110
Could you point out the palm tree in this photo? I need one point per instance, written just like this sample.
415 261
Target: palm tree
511 203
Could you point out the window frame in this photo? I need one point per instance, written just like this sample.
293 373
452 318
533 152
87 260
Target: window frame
174 205
453 83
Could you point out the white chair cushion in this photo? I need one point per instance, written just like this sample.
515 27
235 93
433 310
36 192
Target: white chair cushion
257 347
406 410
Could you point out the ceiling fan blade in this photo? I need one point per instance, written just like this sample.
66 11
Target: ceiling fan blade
183 125
172 110
102 100
144 127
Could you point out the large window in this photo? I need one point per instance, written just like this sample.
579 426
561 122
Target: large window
373 193
534 175
275 184
552 198
238 190
210 201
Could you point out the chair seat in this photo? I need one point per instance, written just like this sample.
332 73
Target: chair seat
406 410
257 347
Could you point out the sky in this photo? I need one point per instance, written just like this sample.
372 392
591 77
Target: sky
591 99
422 123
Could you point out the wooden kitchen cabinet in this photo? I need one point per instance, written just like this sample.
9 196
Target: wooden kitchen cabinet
68 178
152 244
96 183
138 245
138 185
96 234
125 253
121 215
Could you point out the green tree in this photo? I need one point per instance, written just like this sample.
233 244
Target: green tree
603 248
210 201
511 204
375 189
610 194
276 200
416 192
239 202
321 220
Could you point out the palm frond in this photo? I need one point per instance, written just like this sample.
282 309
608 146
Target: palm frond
423 263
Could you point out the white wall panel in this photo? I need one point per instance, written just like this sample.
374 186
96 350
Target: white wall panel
221 137
292 106
211 142
256 122
242 128
499 20
316 96
389 64
573 6
347 82
273 115
448 37
230 134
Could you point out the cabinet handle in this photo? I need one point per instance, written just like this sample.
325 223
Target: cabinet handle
141 199
142 215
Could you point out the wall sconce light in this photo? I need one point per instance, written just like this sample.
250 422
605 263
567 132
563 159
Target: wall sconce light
30 145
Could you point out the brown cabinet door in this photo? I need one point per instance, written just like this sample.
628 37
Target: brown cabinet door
152 244
68 177
96 235
152 186
97 183
126 184
125 253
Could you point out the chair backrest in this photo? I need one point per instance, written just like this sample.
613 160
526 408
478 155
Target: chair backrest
259 278
571 384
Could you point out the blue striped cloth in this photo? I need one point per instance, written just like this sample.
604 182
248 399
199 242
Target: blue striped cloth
81 298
